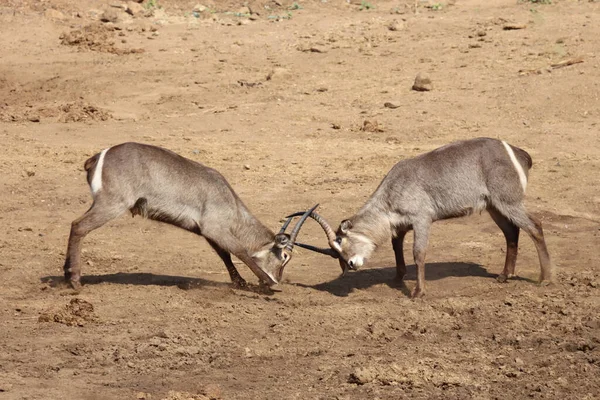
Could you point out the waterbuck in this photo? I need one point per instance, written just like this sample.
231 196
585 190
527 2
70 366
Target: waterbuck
452 181
164 186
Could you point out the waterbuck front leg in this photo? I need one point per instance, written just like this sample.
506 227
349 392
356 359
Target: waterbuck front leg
226 241
421 238
511 233
398 245
235 276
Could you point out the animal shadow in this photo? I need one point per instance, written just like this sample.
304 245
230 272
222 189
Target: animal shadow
138 278
365 278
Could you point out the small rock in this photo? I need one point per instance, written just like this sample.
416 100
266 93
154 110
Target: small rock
247 167
200 8
593 284
390 105
335 126
135 9
54 14
5 387
110 15
519 361
278 73
244 10
34 118
30 172
317 49
213 391
248 352
481 33
513 27
361 376
371 126
143 396
422 84
395 26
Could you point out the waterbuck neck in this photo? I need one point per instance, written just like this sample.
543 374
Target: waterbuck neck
250 231
373 223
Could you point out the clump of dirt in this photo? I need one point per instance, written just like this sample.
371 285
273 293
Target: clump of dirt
418 376
80 111
95 37
12 114
210 392
77 111
77 313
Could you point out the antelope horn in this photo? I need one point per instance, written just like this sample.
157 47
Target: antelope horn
297 227
327 252
286 224
326 227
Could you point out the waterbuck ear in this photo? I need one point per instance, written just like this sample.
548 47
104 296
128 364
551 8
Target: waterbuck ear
345 226
281 240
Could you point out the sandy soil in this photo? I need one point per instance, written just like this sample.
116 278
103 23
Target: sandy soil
278 102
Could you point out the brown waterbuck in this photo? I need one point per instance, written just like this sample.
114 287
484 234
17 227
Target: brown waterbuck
164 186
452 181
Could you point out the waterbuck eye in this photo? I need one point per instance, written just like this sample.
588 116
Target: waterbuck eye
338 240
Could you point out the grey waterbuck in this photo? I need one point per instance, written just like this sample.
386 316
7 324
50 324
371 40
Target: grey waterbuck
164 186
452 181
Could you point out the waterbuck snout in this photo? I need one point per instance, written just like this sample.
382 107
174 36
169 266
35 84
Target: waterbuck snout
163 186
452 181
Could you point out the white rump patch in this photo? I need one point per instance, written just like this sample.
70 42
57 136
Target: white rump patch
96 184
517 164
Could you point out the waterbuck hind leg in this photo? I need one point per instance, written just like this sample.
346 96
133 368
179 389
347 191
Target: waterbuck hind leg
99 214
421 238
521 218
537 235
398 245
511 234
235 276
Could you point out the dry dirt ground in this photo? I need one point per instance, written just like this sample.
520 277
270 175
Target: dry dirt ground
277 101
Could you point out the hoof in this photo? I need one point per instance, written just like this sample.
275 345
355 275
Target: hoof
276 288
502 278
239 284
546 282
417 294
75 284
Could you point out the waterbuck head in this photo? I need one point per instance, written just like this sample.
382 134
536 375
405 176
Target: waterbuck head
275 255
349 247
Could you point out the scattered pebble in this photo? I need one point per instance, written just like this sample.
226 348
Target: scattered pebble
422 83
513 27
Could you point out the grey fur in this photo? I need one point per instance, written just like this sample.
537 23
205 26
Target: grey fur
452 181
164 186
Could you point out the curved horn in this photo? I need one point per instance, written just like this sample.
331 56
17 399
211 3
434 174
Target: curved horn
326 227
297 227
327 252
286 224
